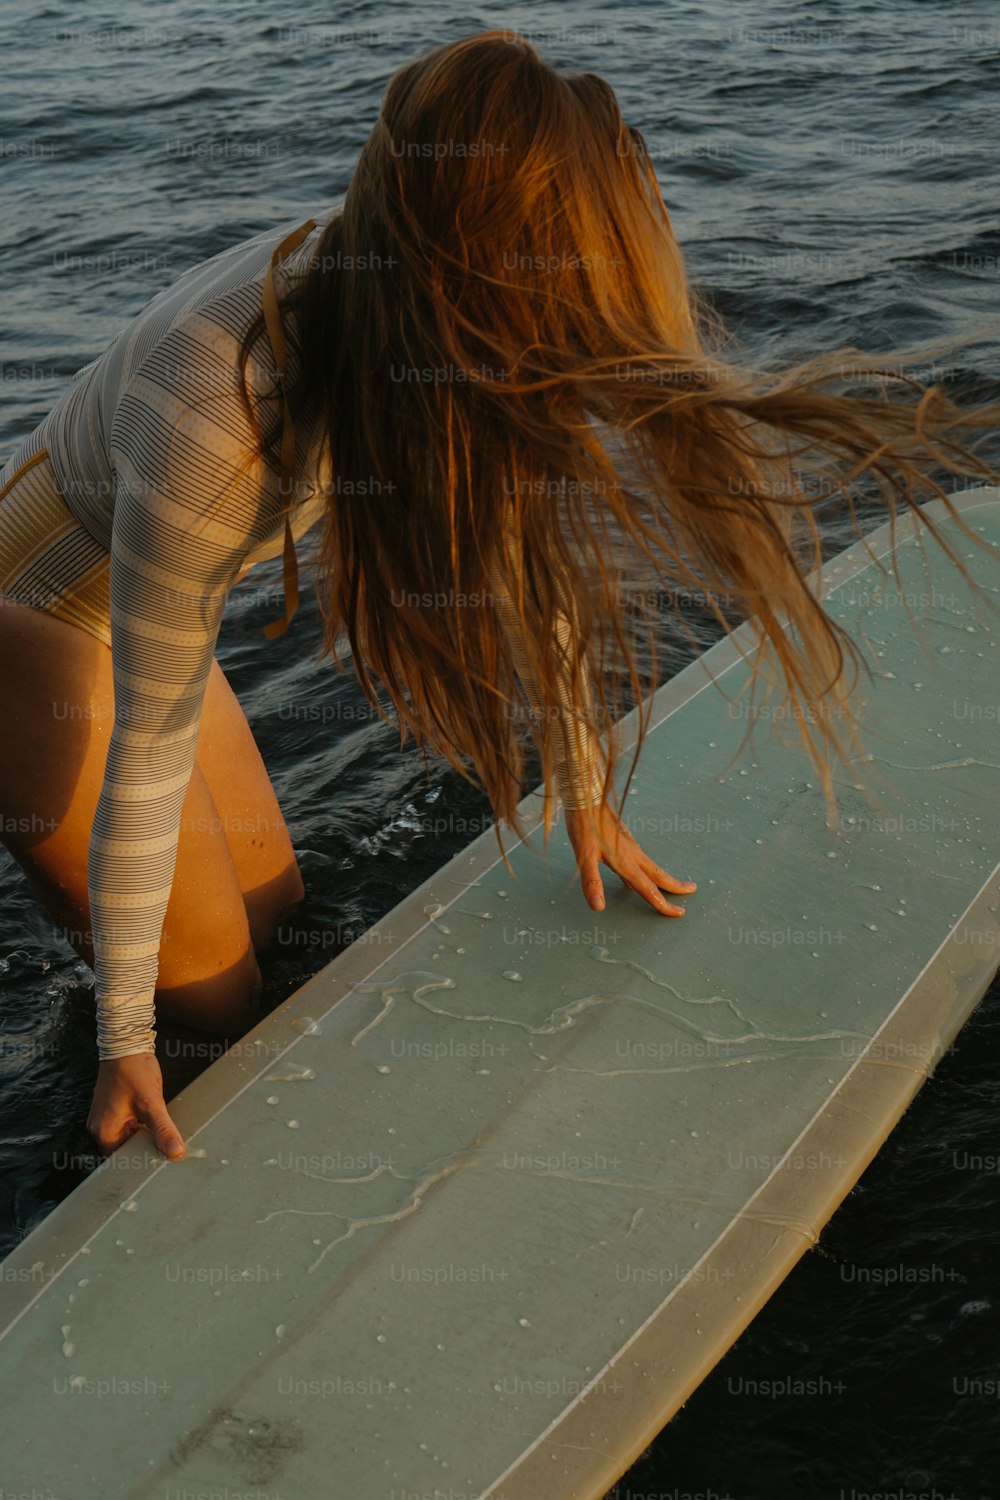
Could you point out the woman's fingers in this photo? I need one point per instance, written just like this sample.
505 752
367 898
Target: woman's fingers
662 878
590 880
628 848
127 1096
166 1136
128 1129
631 872
607 840
643 875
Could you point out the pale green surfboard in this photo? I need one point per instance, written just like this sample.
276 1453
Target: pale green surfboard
474 1211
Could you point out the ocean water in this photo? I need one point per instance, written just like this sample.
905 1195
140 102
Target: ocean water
831 173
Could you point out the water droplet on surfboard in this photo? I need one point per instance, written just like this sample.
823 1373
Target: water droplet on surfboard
306 1026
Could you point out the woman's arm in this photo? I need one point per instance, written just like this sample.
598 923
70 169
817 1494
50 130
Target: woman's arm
185 516
579 763
595 830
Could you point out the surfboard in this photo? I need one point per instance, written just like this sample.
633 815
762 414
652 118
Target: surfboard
476 1209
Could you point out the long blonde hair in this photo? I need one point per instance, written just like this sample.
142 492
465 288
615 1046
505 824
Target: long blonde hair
516 382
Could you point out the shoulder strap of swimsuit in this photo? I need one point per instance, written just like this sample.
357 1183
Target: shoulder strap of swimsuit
272 319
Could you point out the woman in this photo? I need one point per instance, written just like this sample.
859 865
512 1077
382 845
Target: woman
438 373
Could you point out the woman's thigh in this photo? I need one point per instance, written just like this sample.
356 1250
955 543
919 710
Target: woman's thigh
252 822
58 693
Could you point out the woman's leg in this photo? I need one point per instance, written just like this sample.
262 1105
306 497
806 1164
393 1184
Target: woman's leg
257 835
58 696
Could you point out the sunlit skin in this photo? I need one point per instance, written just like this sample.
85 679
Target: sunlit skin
600 837
128 1096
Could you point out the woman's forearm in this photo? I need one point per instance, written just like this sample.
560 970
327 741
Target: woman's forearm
579 764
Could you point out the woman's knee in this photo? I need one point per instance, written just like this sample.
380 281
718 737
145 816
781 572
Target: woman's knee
225 1000
271 904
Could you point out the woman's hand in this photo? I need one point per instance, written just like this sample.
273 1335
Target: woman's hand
599 835
128 1095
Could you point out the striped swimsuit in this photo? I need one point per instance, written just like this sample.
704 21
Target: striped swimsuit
130 511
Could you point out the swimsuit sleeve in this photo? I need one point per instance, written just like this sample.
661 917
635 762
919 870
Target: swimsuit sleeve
190 501
579 764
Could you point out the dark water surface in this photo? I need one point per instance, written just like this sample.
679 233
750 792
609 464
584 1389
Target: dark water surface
831 172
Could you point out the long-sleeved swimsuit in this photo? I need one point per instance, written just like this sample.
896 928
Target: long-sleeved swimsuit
131 510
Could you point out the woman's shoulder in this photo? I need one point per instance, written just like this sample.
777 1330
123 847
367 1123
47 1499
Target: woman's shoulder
236 266
185 345
214 302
